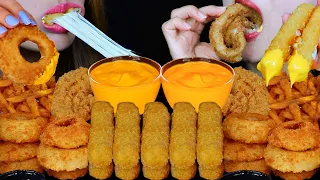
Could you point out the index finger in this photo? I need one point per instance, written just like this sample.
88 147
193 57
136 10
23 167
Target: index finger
187 12
13 7
212 11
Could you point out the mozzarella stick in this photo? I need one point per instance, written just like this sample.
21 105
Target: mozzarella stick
101 172
131 173
212 172
126 146
160 173
187 173
155 136
183 136
210 135
101 135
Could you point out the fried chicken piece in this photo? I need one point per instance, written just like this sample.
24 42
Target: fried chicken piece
73 95
248 94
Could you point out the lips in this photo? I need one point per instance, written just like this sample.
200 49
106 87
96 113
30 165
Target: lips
253 35
60 8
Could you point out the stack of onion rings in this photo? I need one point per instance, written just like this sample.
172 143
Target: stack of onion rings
68 175
18 69
10 152
226 33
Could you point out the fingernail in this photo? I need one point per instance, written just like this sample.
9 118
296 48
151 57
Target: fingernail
33 23
186 25
24 18
11 20
2 29
201 15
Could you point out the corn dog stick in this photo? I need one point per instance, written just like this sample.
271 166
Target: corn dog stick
183 136
126 146
187 173
210 135
155 136
160 173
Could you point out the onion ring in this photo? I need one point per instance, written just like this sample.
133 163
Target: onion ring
19 70
30 164
248 127
291 161
259 165
295 136
237 151
68 174
62 159
226 33
295 176
21 127
10 152
67 133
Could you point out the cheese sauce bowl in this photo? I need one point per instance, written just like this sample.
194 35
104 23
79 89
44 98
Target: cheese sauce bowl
197 80
125 79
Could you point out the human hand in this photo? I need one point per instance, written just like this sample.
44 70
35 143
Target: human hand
11 14
182 31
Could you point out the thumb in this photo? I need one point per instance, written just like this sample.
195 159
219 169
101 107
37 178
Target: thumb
285 17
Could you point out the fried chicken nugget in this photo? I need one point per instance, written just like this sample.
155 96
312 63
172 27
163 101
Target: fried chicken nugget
130 173
126 146
187 173
182 148
159 173
155 136
101 140
210 135
211 173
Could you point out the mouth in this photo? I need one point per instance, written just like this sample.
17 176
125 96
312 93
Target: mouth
57 11
251 34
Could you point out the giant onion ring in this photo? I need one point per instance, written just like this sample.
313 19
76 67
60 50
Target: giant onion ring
291 161
19 70
226 33
67 133
248 127
30 164
21 128
62 159
259 165
10 152
295 136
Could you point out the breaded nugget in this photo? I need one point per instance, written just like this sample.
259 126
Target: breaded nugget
183 136
10 152
212 172
101 139
131 173
187 173
101 172
210 135
160 173
126 146
155 136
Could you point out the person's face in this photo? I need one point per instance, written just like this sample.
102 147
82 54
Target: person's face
272 12
39 8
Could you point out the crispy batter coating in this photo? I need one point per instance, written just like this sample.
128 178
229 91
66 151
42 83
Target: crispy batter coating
295 176
155 136
101 135
212 172
101 172
10 152
158 173
131 173
184 173
183 138
62 159
259 165
68 174
73 95
126 146
210 135
29 164
248 94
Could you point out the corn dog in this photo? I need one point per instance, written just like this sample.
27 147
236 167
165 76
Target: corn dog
160 173
187 173
182 148
155 136
211 173
126 146
280 48
101 140
210 135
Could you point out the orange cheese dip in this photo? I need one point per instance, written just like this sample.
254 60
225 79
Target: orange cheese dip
124 73
198 75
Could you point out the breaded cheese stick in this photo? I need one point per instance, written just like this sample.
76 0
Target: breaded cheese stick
279 50
101 139
155 136
299 64
187 173
210 135
160 173
101 172
211 173
126 146
130 173
183 136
